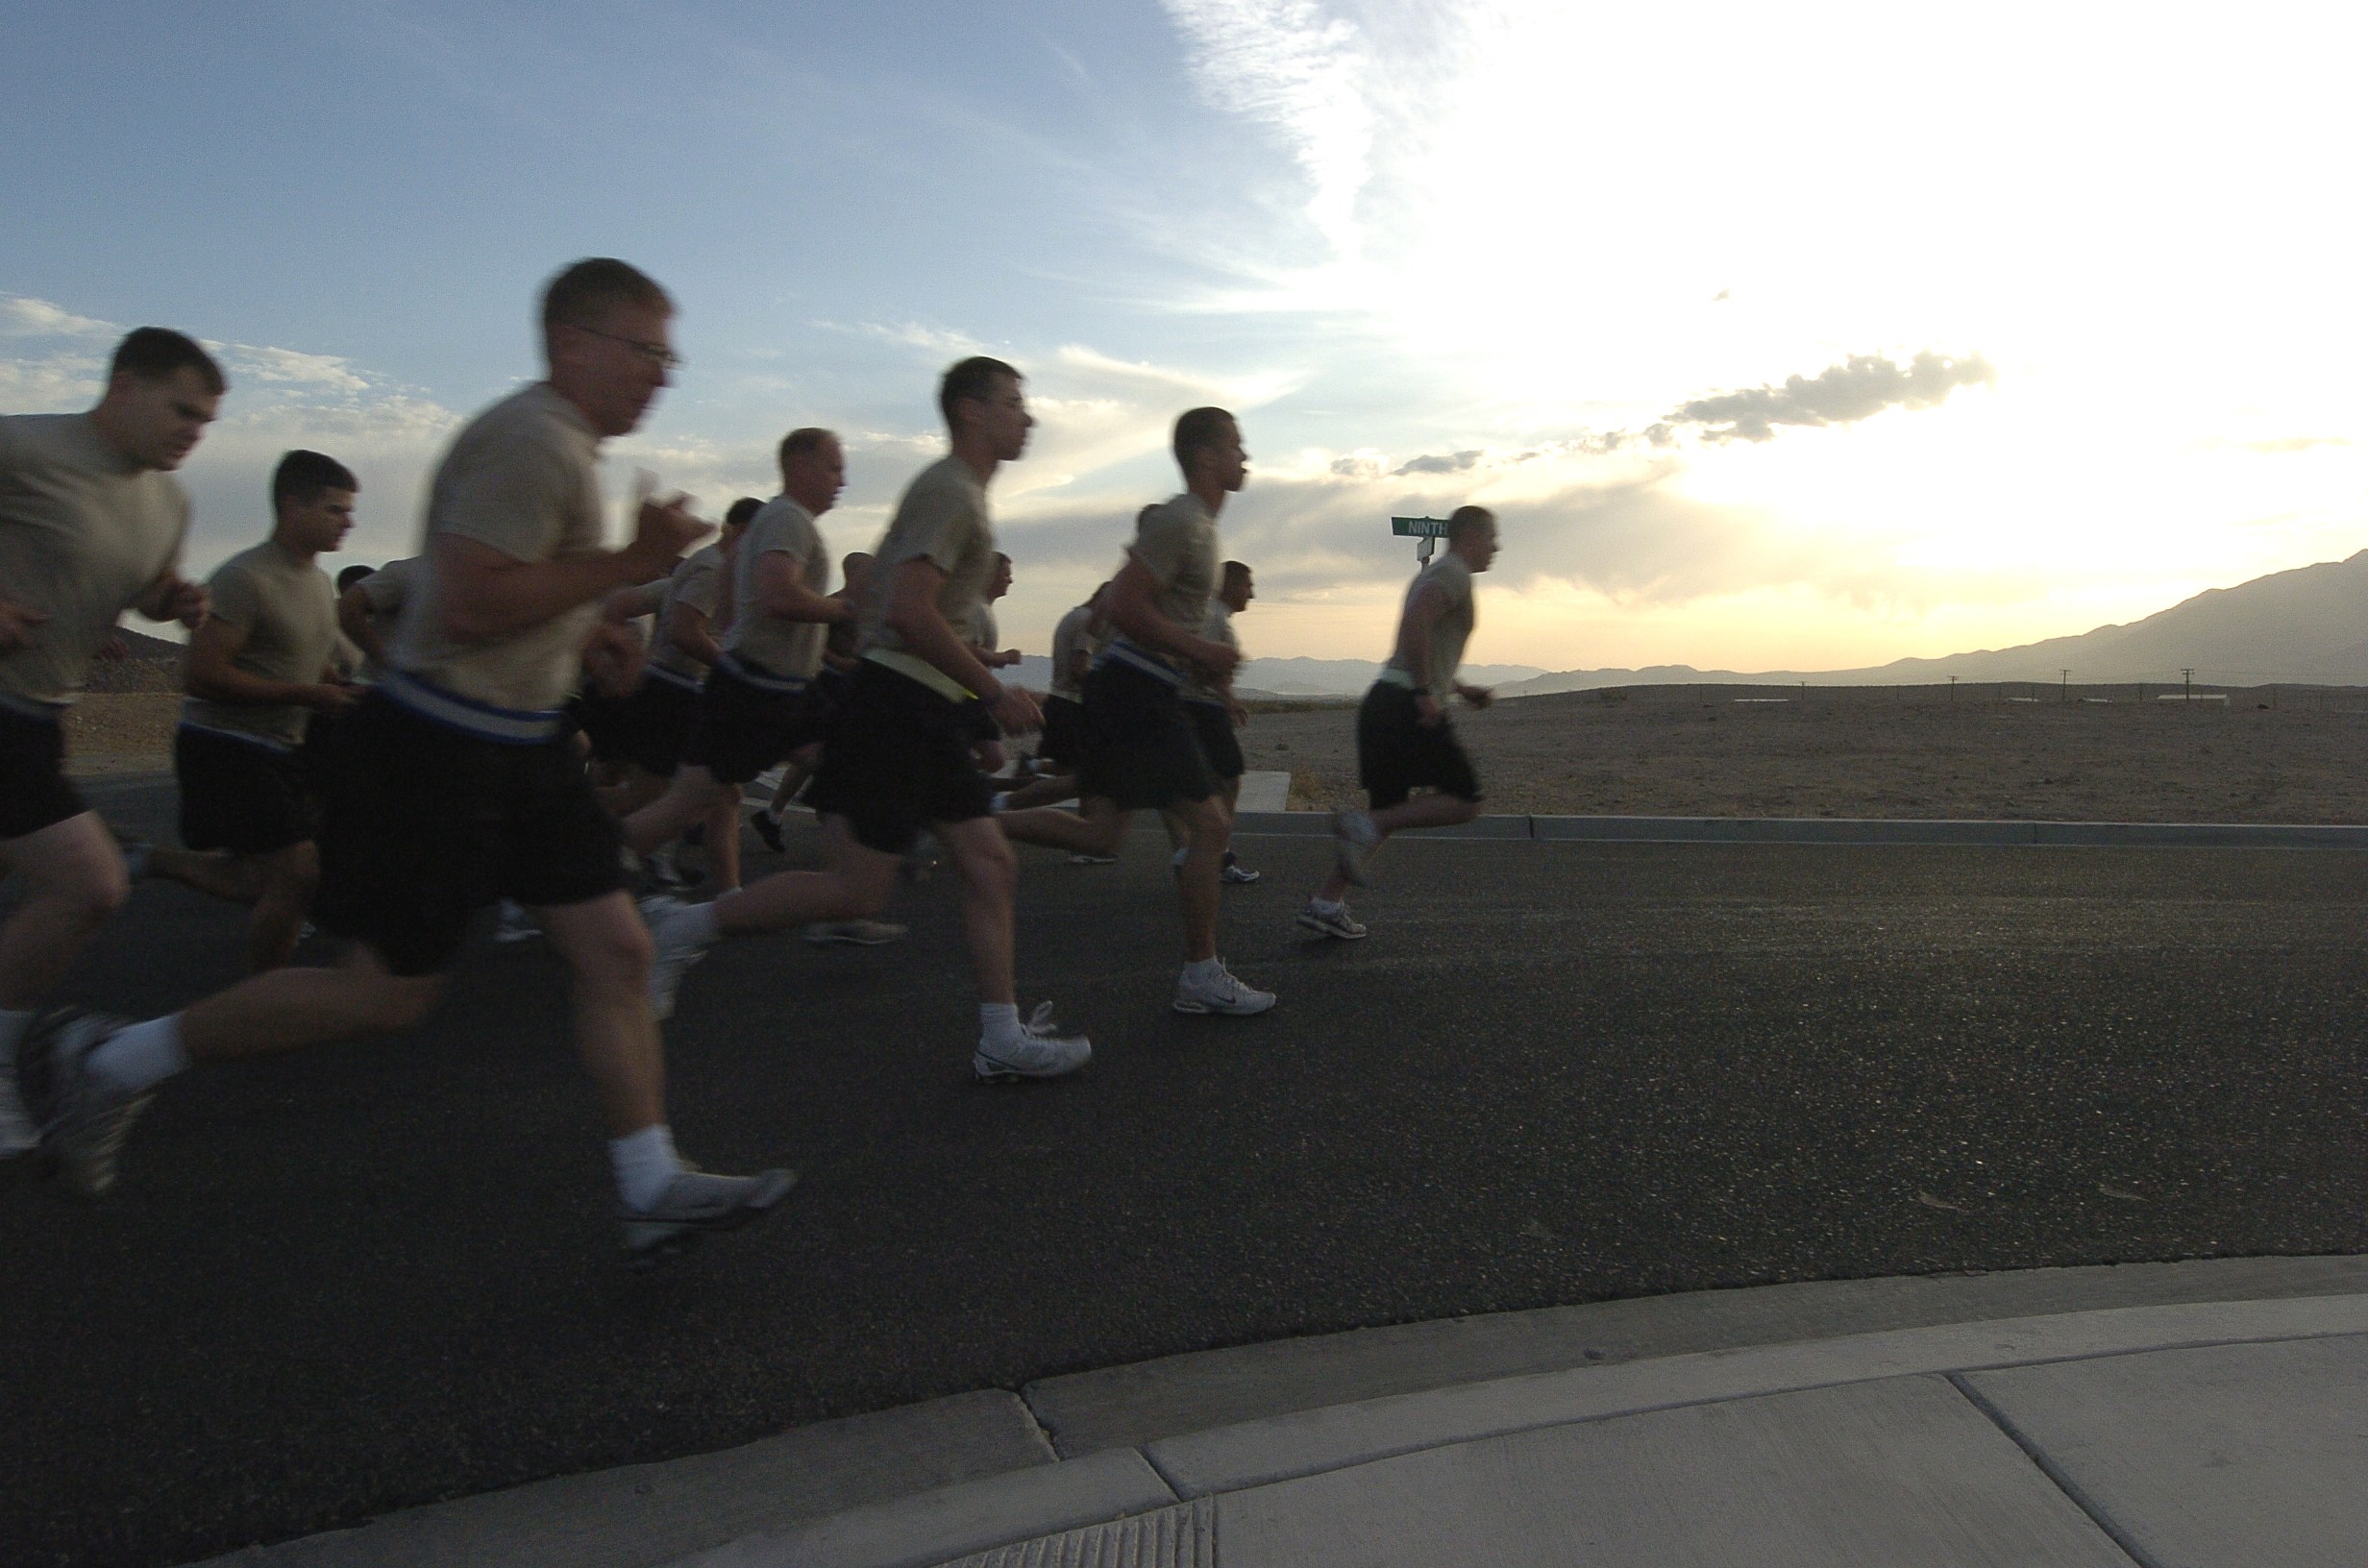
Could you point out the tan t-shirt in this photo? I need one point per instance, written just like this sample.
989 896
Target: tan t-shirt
1075 635
521 478
697 582
1217 628
941 519
1176 543
1453 627
81 535
791 649
288 609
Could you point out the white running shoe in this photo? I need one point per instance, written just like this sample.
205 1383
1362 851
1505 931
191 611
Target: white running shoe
674 954
1238 874
512 923
92 1112
1038 1052
1354 836
857 932
1333 922
1221 991
697 1202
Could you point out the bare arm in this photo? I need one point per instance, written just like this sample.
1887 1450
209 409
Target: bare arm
781 592
170 599
207 671
483 596
912 614
1131 611
688 631
1413 645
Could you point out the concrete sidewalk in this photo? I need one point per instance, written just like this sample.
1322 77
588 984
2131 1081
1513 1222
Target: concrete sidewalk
2210 1413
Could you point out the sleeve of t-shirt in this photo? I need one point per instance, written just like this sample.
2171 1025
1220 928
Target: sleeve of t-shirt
387 588
231 598
516 502
1454 579
939 526
699 585
1161 542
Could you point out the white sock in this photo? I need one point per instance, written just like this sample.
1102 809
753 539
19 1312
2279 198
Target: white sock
1204 969
999 802
693 923
1326 906
13 1027
999 1022
646 1162
144 1055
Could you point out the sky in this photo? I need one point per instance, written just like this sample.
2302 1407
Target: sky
1777 338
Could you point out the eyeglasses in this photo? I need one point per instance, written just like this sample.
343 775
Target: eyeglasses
658 353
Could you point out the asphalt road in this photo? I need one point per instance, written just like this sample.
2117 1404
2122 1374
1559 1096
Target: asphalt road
381 1274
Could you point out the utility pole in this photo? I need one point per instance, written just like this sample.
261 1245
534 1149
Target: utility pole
1952 688
2067 685
2187 685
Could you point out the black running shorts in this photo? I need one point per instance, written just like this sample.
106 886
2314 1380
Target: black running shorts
1064 738
34 791
243 795
745 728
424 824
898 761
1219 746
1141 752
659 719
1397 753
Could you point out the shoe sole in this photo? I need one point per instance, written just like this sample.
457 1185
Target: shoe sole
853 941
984 1070
649 1243
1210 1010
1322 930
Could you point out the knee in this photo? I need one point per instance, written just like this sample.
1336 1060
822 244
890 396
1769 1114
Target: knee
990 863
95 890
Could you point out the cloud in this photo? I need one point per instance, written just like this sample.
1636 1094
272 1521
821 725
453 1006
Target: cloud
1860 387
288 368
2292 443
24 317
1453 463
1285 64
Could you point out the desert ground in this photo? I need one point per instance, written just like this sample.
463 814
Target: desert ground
2270 755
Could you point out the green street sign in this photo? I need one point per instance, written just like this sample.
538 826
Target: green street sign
1418 528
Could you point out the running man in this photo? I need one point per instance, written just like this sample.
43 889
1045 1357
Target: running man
829 695
898 759
1404 738
260 667
1060 750
1141 752
91 522
454 784
1215 714
369 609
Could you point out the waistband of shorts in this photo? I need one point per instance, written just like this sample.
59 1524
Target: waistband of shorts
505 727
759 677
1392 675
1135 656
920 670
39 713
278 748
672 677
1206 700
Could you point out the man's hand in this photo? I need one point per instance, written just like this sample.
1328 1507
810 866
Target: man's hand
187 603
661 532
113 651
1235 711
1217 660
1427 711
1479 697
612 657
331 697
1016 710
987 756
997 661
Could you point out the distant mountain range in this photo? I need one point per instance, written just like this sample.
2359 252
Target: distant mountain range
2308 627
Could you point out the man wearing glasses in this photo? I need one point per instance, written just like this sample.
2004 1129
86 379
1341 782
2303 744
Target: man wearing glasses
451 783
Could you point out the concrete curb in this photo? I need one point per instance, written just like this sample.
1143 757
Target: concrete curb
1848 831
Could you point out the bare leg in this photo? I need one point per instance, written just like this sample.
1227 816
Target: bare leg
723 841
1049 791
692 793
1099 830
990 872
607 948
290 878
1196 888
1433 810
637 791
78 881
287 1010
236 879
856 887
802 766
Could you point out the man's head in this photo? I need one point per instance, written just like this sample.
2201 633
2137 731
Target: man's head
1471 533
981 401
813 468
1208 448
741 514
855 572
311 502
163 390
1000 582
606 337
351 575
1235 589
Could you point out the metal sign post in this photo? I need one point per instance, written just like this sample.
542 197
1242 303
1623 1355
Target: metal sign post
1428 530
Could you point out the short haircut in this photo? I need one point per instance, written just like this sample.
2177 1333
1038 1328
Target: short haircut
746 507
1197 429
153 353
974 379
353 575
798 443
1236 569
301 476
584 293
1464 519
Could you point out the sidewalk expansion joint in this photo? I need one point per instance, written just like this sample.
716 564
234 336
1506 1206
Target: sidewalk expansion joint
2048 1467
